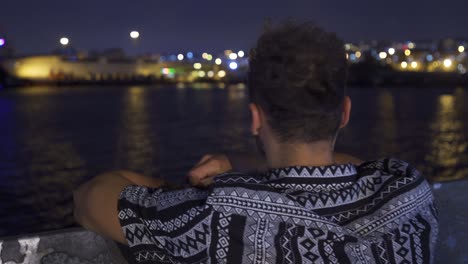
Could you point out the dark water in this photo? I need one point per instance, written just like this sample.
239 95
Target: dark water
52 139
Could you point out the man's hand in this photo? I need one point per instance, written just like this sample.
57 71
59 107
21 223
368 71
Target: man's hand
209 166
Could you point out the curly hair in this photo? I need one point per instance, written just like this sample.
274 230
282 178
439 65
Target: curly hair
297 75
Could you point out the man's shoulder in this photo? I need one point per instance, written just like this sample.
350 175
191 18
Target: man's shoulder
388 166
396 178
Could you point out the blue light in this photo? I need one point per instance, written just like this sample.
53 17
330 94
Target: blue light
233 65
2 42
173 57
352 57
429 57
189 55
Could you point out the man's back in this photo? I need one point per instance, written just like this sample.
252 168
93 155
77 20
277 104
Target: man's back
378 212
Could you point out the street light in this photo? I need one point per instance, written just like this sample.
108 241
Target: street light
134 34
64 41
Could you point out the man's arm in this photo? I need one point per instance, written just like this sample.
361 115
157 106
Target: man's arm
96 201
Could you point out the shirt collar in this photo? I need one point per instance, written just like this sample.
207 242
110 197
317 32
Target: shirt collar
332 171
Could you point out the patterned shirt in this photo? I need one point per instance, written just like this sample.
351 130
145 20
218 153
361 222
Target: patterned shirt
379 212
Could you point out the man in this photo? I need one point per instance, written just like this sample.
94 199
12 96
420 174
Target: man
309 206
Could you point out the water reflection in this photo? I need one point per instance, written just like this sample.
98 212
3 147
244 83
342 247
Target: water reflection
52 165
135 144
448 143
385 131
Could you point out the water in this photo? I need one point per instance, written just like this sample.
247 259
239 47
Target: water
52 139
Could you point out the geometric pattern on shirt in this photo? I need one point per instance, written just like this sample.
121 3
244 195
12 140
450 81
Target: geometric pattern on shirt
259 241
258 204
394 186
175 223
388 217
188 243
148 197
394 213
333 171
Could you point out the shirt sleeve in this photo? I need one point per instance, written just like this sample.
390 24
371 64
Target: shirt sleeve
155 220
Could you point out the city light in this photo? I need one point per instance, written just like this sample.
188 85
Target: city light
64 41
407 52
180 57
201 74
233 56
210 74
233 65
411 45
414 65
391 51
461 49
134 34
429 57
209 57
383 55
218 61
358 54
404 64
197 66
447 63
2 42
189 55
240 53
204 55
221 74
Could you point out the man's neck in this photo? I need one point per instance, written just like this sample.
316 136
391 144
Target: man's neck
318 153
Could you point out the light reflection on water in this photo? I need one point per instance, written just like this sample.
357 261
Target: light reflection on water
448 156
135 149
53 138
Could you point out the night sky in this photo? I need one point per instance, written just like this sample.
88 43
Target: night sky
34 26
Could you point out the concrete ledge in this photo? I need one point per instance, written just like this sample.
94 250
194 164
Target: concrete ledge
69 246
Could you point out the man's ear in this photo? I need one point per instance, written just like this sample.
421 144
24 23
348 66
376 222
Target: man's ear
346 111
256 121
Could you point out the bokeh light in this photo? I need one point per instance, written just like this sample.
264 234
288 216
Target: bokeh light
233 65
134 34
221 74
64 41
447 63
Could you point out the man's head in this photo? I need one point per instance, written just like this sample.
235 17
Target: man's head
297 82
